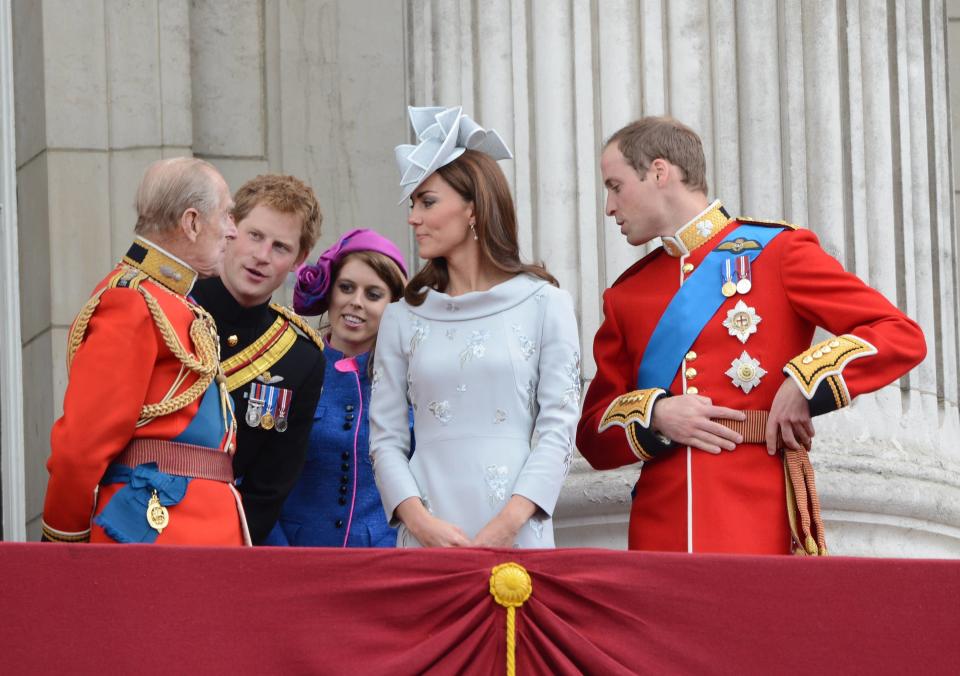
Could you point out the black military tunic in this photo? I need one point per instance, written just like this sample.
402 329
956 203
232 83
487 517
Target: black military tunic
266 349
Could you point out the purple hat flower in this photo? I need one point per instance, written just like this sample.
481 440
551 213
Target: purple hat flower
313 281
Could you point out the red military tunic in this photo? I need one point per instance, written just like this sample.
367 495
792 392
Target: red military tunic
691 500
123 364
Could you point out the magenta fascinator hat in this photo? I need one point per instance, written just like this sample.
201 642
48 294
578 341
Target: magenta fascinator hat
313 281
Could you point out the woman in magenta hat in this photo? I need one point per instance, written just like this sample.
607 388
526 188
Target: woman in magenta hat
335 503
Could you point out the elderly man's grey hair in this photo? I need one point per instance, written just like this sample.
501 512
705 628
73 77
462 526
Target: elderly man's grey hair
170 187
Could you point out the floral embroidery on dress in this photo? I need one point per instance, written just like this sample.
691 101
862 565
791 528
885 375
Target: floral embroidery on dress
375 378
532 397
420 332
536 525
476 347
571 395
568 458
499 416
453 307
441 411
539 297
497 478
461 388
450 334
527 346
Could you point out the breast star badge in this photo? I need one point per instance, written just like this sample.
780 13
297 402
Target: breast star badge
741 321
745 372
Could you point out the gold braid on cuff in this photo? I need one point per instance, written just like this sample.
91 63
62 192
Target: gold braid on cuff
826 361
627 409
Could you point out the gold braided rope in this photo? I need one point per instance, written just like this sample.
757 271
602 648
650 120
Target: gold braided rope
207 345
510 585
300 323
79 329
800 478
202 333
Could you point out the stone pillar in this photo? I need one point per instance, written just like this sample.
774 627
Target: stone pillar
11 371
831 115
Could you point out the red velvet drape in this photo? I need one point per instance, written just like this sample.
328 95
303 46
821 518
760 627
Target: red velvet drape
91 608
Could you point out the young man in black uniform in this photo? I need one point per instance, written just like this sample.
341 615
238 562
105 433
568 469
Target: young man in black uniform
272 359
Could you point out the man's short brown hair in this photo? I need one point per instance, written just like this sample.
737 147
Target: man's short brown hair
650 138
286 194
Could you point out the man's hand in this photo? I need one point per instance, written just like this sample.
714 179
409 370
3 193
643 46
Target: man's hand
501 530
428 529
686 420
789 415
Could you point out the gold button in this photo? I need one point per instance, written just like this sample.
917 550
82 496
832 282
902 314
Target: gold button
691 355
693 390
690 373
687 268
232 341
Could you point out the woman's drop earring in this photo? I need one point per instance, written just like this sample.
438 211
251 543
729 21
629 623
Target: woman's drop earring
473 229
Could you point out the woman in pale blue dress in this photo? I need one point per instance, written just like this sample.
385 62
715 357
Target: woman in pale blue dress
484 348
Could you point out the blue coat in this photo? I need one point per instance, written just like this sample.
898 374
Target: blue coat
324 508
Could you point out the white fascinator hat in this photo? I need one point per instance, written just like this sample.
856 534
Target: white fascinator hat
442 136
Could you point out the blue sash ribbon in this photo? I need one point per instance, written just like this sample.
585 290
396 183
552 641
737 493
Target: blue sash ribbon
125 517
691 308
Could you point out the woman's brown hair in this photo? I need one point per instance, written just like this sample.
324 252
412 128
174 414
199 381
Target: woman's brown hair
477 178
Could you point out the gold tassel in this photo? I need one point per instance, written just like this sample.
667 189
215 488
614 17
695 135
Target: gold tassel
510 585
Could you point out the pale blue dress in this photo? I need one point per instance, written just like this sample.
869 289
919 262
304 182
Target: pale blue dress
494 381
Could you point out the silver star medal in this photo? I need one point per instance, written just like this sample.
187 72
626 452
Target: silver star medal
745 372
742 321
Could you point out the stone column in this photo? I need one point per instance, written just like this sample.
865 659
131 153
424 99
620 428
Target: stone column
831 115
11 372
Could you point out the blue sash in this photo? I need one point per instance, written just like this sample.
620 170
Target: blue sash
691 308
124 518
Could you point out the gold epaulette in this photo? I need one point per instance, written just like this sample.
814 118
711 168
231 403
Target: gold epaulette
767 222
300 323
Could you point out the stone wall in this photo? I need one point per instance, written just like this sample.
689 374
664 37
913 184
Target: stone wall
830 114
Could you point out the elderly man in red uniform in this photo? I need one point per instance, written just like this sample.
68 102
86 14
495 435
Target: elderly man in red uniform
143 450
704 357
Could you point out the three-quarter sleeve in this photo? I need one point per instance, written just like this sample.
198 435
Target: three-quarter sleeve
558 398
389 416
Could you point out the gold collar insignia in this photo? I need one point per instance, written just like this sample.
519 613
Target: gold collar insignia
697 231
164 268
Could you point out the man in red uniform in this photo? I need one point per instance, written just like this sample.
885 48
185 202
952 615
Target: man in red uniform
704 356
143 450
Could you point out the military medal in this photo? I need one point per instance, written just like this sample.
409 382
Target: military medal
267 421
282 407
743 275
157 515
254 406
745 372
741 321
728 288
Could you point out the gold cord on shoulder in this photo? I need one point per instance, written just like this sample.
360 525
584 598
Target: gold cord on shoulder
300 323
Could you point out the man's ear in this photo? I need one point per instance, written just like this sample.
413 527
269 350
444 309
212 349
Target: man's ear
301 257
190 224
661 171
